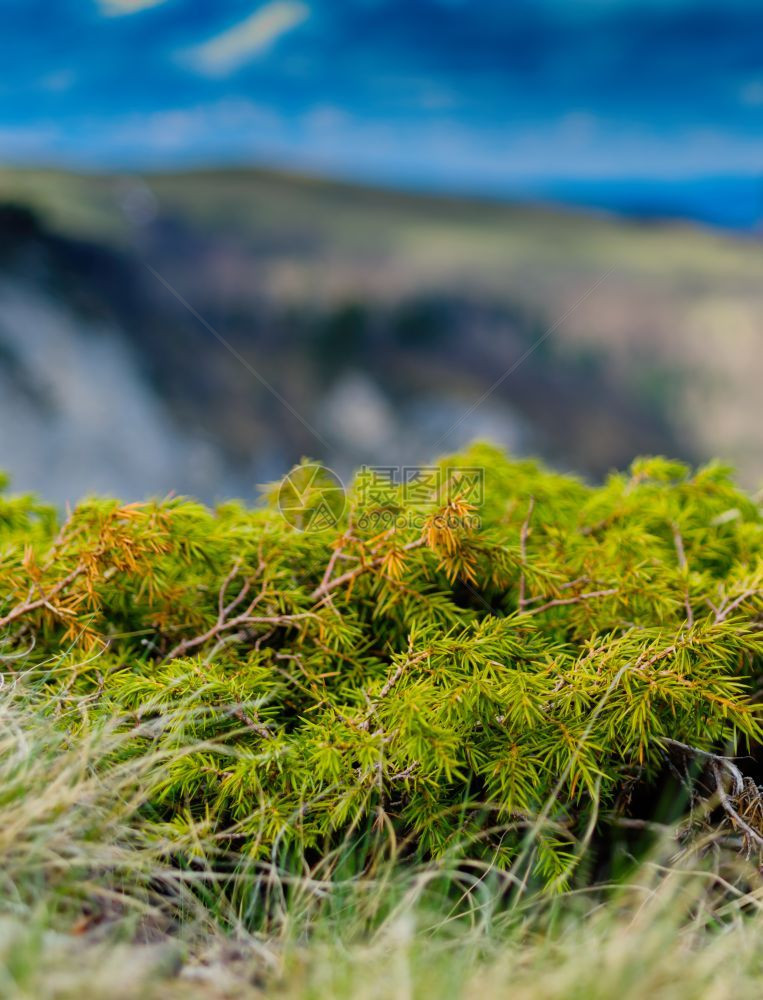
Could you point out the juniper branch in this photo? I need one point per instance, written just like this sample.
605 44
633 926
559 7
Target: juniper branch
26 607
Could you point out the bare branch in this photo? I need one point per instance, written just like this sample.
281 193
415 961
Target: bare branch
682 562
224 629
391 681
679 544
712 758
563 601
243 619
338 553
256 727
718 764
327 586
562 586
525 531
224 588
752 835
725 610
402 775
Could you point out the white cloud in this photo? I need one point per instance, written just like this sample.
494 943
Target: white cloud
227 52
578 128
58 82
28 140
116 8
325 118
751 93
172 134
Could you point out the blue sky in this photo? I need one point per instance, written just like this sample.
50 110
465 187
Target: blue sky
489 96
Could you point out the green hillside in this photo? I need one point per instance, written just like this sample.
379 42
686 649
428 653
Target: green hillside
671 314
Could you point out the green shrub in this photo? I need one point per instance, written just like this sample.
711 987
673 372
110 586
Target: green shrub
429 669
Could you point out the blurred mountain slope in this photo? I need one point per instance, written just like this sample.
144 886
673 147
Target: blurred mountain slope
395 313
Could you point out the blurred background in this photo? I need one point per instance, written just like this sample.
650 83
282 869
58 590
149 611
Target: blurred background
234 234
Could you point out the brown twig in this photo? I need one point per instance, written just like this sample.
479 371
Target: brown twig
753 837
327 585
724 611
338 553
683 563
406 773
716 763
242 619
562 586
256 727
679 544
224 589
245 620
559 602
707 755
391 681
524 532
